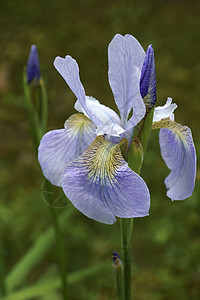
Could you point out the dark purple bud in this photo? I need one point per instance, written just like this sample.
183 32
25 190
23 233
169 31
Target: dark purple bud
33 67
148 79
116 260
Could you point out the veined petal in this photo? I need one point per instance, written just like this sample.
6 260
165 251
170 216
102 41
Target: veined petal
106 119
69 70
148 79
178 152
59 147
101 185
165 111
126 57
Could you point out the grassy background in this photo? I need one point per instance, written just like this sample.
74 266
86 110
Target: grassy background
166 246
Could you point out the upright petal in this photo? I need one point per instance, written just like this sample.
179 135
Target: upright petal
178 152
59 147
148 79
69 70
101 185
99 114
126 57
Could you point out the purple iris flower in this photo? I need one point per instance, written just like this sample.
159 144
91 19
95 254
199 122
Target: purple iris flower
33 67
85 159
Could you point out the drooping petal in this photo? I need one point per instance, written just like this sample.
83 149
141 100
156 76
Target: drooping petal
101 185
178 152
148 79
126 57
106 120
59 147
165 111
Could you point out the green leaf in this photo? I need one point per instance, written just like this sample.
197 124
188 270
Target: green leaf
44 288
36 252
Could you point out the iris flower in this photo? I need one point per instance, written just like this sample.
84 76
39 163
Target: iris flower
84 158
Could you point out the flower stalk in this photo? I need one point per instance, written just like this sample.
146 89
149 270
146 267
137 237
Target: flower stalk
60 252
118 267
126 226
37 116
2 273
135 160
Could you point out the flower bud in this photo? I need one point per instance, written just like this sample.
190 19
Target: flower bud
117 263
33 67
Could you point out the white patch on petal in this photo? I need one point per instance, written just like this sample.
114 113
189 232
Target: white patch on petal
166 111
111 129
79 108
107 120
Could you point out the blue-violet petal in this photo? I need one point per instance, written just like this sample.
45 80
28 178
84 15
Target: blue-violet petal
59 147
178 152
101 185
126 57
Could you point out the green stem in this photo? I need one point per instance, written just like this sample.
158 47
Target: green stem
118 283
36 253
2 273
37 124
46 288
44 105
126 226
34 125
60 252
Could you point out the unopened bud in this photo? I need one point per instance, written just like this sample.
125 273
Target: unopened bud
117 263
33 67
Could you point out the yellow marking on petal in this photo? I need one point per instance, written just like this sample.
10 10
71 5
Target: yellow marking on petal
78 122
167 123
102 159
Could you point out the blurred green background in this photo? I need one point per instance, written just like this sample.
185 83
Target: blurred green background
166 245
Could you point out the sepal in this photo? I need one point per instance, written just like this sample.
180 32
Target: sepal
101 185
59 147
178 152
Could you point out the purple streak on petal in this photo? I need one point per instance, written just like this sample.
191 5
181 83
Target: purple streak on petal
59 147
178 152
101 185
148 79
126 57
33 67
